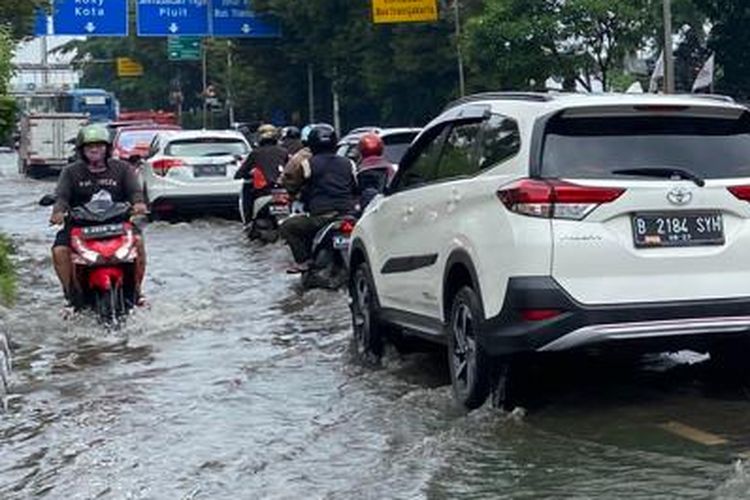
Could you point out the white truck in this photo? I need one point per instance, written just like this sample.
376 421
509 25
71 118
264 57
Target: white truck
45 143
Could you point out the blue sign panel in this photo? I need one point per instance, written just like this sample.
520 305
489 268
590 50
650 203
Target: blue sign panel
234 18
41 21
85 17
172 17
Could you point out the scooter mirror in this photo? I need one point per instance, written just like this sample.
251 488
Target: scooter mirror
135 159
48 200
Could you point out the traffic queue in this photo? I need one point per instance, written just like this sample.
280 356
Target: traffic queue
304 186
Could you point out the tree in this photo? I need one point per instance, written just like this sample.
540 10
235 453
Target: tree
7 104
19 16
517 41
730 40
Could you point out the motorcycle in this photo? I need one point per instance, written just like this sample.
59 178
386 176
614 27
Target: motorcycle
330 255
267 213
104 251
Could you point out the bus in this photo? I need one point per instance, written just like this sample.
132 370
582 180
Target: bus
100 105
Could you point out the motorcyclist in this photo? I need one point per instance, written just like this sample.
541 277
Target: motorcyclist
293 176
291 139
329 191
374 171
263 167
94 171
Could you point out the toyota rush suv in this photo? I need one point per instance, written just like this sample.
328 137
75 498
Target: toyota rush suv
527 223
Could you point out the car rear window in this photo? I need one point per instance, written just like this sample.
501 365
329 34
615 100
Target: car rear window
595 147
396 145
209 146
129 140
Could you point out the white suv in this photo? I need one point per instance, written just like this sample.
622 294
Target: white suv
192 171
524 223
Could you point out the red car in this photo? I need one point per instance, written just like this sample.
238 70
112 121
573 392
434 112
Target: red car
134 140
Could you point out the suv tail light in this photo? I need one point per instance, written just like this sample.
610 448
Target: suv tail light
555 199
740 192
161 167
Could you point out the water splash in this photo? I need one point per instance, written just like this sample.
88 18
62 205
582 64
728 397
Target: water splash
738 485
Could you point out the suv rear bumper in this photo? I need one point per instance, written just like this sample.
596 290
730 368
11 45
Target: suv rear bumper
645 326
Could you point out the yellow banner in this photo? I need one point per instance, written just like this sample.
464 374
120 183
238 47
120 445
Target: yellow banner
128 67
404 11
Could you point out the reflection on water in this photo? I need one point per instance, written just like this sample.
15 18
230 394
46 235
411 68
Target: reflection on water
235 384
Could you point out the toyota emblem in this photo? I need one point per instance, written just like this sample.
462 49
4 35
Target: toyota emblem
679 196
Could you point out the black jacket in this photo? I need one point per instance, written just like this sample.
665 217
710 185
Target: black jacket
332 186
270 158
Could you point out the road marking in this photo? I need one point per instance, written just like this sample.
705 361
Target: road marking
693 434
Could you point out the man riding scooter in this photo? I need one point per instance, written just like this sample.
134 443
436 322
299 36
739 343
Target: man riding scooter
94 172
262 167
329 191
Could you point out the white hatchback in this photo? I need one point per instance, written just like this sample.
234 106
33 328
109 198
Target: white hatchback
192 171
527 223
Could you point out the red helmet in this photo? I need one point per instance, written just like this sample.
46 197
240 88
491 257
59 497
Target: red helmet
370 145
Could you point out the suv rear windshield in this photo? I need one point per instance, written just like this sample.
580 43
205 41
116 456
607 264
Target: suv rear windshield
396 145
595 147
209 146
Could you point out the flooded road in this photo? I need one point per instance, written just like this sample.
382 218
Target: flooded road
234 384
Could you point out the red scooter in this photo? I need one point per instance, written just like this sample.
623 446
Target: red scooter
104 251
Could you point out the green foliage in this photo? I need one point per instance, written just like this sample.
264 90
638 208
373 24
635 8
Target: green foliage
8 110
730 40
7 272
515 42
7 46
19 16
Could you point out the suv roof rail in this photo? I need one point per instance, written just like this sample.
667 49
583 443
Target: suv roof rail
510 96
714 97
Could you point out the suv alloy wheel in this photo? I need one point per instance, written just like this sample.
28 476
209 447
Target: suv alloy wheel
368 331
470 367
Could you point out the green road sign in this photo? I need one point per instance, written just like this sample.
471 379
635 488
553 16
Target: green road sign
184 48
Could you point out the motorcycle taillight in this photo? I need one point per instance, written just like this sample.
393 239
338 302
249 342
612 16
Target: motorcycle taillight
347 226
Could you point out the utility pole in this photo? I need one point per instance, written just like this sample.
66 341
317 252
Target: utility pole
204 65
310 94
336 104
668 55
457 17
230 94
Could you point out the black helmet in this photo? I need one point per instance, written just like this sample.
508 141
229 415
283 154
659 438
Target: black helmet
290 132
322 138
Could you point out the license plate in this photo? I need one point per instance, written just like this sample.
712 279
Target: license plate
678 229
103 231
340 242
210 170
279 209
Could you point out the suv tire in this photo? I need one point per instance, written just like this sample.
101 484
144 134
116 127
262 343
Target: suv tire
369 332
471 369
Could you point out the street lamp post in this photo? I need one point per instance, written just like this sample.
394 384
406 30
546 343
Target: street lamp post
668 55
457 17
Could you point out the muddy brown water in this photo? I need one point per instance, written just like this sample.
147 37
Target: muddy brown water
235 384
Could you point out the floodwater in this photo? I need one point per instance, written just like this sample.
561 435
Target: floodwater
235 384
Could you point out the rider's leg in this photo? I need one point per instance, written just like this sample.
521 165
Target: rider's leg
140 265
64 268
298 233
